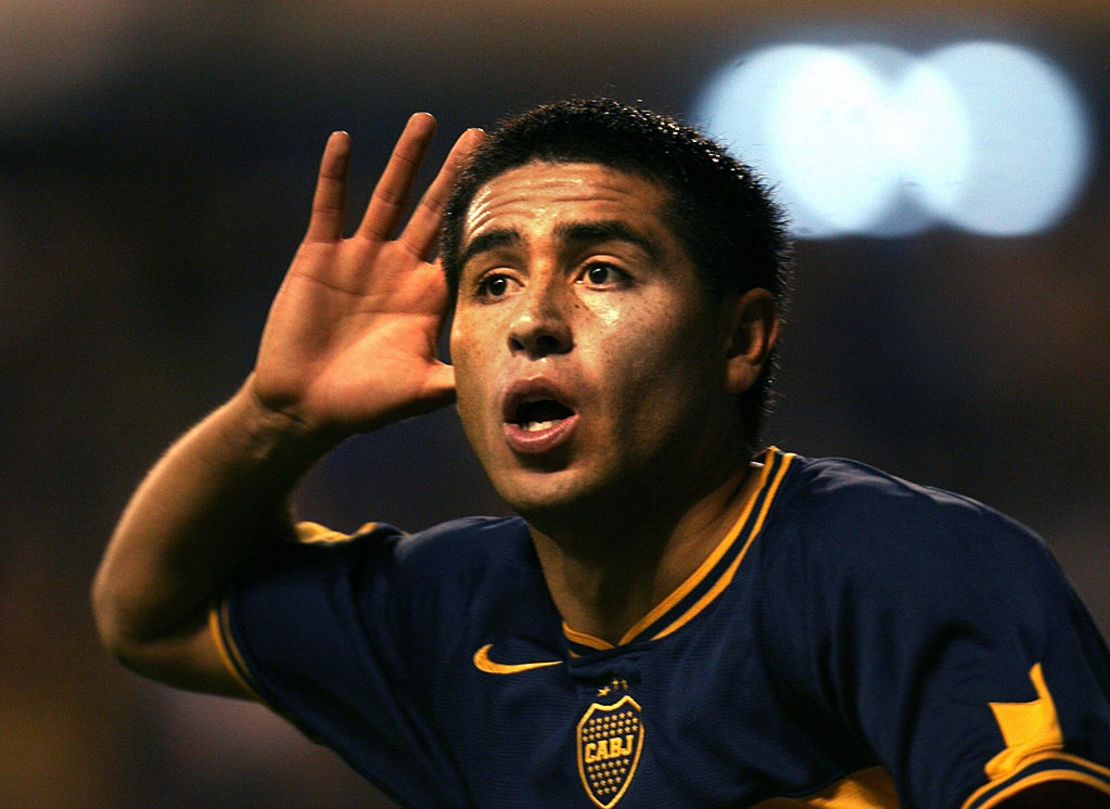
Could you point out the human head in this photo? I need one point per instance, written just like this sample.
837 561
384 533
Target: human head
719 211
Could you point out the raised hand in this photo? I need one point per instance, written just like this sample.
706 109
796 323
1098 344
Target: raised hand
350 342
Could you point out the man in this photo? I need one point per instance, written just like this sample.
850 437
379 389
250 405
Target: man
670 623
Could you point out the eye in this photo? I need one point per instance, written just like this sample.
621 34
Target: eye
601 274
494 286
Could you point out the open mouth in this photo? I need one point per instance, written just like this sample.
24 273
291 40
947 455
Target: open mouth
537 415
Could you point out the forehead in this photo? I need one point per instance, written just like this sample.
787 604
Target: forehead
538 195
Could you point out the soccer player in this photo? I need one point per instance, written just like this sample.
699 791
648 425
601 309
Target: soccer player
675 618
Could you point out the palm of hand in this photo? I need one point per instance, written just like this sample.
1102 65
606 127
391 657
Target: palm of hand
350 342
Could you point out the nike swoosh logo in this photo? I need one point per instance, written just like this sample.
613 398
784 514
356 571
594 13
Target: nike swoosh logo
483 663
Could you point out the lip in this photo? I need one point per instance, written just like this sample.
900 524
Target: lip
536 442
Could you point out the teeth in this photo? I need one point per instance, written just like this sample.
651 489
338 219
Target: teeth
536 426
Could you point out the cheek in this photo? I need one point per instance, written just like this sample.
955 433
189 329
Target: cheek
669 366
465 346
469 392
473 374
608 317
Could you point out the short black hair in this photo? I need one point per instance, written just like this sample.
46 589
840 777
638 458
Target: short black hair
721 212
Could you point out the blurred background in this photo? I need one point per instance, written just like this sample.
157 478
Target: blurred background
946 167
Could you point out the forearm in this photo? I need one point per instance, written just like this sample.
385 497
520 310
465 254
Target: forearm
216 499
349 346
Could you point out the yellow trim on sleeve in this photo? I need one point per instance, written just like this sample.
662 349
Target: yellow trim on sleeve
1031 734
1027 728
217 627
1044 776
312 533
1058 775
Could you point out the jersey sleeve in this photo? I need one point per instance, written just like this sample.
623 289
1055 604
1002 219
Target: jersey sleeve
312 632
945 639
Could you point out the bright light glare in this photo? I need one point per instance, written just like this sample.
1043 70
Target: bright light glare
824 125
1030 143
869 139
736 108
934 143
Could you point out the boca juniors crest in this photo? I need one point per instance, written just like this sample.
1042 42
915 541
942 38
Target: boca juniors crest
610 740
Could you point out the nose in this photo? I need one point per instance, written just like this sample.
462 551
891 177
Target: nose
541 323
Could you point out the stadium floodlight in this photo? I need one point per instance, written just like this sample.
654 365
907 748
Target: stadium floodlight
869 139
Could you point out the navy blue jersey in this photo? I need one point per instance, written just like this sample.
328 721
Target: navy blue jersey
854 641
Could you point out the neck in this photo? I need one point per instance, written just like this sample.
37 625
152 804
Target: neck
607 576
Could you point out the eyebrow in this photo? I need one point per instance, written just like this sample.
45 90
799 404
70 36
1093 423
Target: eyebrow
579 234
608 230
492 240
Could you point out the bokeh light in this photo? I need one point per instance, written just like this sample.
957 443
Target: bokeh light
1030 139
868 139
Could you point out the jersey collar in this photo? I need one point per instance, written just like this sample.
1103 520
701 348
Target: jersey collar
705 584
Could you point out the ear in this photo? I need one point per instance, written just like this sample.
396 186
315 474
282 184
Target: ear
752 324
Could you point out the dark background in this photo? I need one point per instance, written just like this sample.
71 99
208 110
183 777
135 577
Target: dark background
156 161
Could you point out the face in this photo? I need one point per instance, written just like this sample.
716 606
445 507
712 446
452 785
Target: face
589 363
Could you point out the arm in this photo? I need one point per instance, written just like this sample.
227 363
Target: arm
349 346
943 637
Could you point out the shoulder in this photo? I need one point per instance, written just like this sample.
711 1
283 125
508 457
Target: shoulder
841 531
379 558
931 620
467 545
838 490
473 561
413 592
854 513
447 543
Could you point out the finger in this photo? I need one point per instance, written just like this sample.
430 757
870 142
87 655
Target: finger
391 194
423 228
434 294
328 201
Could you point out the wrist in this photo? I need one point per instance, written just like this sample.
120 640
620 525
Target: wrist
274 436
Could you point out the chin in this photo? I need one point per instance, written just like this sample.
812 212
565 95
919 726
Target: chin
536 497
565 503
